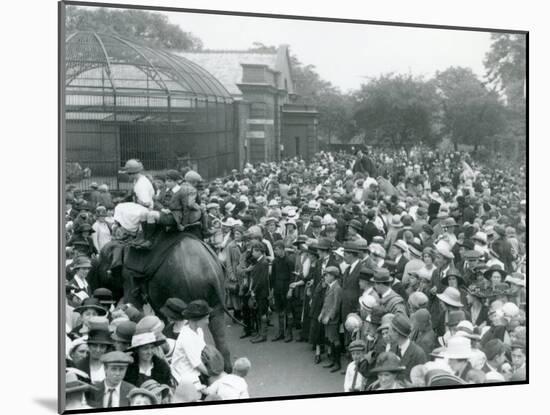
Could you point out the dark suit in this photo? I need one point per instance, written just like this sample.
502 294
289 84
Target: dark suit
331 311
350 290
370 230
259 276
414 355
96 397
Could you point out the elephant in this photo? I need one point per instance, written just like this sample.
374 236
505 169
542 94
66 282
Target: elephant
190 271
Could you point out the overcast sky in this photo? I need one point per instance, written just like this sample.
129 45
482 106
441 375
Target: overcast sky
344 53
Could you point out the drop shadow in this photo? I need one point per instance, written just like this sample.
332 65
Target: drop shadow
47 403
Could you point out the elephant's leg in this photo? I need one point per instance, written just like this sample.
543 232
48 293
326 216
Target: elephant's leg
217 328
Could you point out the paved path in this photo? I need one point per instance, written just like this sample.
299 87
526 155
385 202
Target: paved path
282 369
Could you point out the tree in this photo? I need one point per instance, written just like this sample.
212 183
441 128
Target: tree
506 70
471 114
335 108
152 29
506 66
398 108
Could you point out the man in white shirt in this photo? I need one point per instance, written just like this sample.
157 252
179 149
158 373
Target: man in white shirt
187 363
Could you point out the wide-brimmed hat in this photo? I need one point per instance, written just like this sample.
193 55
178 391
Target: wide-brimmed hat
382 275
350 246
450 296
143 339
143 391
494 268
99 337
196 310
402 245
91 303
132 166
453 272
74 384
388 362
402 325
173 308
124 332
81 262
444 251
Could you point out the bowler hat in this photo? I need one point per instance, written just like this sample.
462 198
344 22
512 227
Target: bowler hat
99 337
104 295
117 357
196 310
388 362
383 276
91 303
124 332
173 308
402 325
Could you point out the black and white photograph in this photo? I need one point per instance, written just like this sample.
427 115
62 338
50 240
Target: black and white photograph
268 206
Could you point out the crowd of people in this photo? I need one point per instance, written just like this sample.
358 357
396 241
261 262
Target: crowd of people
400 268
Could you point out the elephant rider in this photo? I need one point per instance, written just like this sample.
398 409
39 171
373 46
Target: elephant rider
134 211
181 210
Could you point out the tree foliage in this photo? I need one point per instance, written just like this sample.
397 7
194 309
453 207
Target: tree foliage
471 114
153 29
397 109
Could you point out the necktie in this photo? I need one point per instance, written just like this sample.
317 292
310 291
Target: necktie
110 400
398 352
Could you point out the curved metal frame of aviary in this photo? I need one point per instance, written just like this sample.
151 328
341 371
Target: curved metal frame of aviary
126 100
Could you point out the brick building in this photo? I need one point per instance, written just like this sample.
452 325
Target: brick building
271 125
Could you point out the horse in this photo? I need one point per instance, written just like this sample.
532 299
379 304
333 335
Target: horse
190 271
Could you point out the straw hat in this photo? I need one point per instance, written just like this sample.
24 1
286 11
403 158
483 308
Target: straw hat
450 296
458 347
143 339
